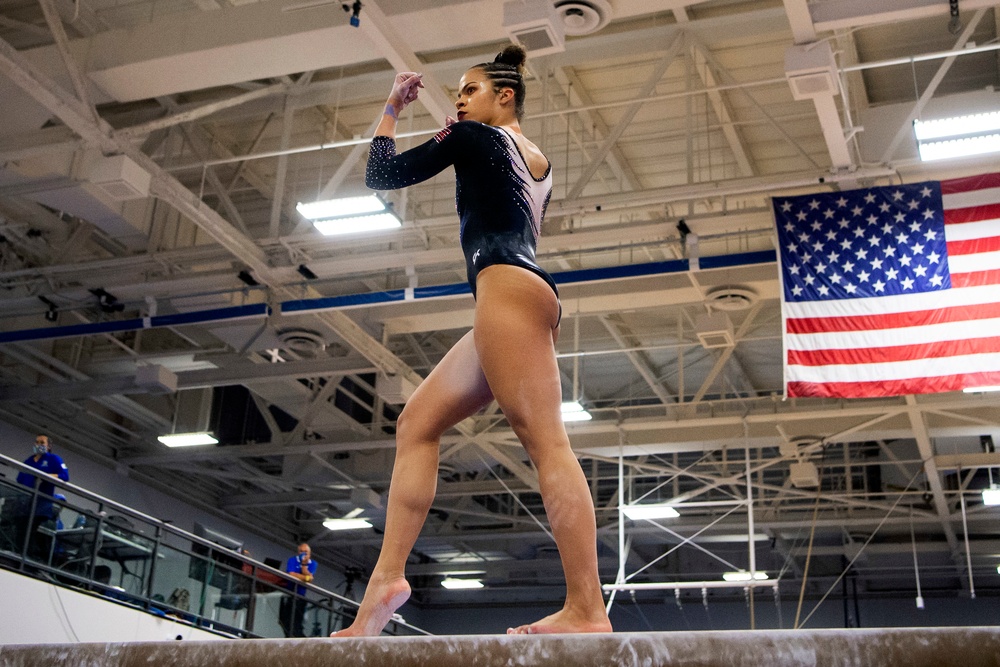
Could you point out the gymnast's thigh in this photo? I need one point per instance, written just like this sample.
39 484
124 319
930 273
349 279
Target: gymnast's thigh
454 390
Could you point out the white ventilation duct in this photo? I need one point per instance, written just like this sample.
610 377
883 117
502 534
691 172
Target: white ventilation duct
714 330
535 25
193 411
811 70
119 177
108 192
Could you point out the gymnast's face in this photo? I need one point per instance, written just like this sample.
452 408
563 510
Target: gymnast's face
477 100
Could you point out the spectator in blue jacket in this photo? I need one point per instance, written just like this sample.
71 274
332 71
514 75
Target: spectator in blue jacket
301 566
44 460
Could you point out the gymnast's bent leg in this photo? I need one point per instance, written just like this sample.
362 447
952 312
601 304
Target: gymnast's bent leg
454 390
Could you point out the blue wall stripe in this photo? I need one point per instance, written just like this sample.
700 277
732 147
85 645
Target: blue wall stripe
373 298
627 271
115 326
44 333
332 302
227 313
738 259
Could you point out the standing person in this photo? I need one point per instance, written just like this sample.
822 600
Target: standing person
301 566
503 186
44 460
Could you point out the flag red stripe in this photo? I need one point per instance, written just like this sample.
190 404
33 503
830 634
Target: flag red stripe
881 355
811 325
975 278
969 183
893 387
972 246
956 216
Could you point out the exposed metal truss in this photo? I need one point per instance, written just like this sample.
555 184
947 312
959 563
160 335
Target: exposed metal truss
674 110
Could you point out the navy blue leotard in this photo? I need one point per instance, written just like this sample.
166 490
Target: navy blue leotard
500 204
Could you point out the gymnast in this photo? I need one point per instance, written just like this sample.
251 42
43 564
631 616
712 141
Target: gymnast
503 186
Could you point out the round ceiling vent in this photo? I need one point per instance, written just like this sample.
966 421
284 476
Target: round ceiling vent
731 298
583 17
302 342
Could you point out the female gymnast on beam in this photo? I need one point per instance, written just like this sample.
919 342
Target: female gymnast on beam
503 186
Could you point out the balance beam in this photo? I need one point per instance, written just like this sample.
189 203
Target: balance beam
902 647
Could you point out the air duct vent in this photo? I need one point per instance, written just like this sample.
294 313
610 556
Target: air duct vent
156 379
731 298
535 25
120 178
811 70
583 17
302 342
394 389
714 330
803 475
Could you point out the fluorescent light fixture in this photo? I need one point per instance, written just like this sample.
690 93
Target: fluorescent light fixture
336 208
959 136
743 575
998 569
958 125
657 511
187 439
572 411
991 496
349 215
354 224
964 147
461 584
977 390
346 524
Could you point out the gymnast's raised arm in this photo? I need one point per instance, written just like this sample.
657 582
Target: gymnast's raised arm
388 170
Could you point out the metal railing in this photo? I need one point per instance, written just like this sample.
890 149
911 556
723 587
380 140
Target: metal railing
76 538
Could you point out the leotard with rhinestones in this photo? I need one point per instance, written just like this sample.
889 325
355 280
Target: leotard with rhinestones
500 204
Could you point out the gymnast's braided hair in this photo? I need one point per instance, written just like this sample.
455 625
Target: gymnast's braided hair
507 71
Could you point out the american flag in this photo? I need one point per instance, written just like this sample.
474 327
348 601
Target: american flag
891 290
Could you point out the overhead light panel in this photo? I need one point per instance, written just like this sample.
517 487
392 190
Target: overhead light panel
572 411
336 208
346 524
349 215
991 496
652 511
363 223
461 584
958 136
977 390
187 439
958 125
743 575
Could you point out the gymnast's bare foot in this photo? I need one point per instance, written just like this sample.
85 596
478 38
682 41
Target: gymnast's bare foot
564 621
382 599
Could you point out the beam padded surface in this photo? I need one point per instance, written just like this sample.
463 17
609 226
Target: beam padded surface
912 647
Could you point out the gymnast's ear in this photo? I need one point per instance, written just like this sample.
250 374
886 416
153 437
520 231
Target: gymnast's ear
506 95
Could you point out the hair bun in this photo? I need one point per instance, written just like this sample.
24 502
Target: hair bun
513 55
